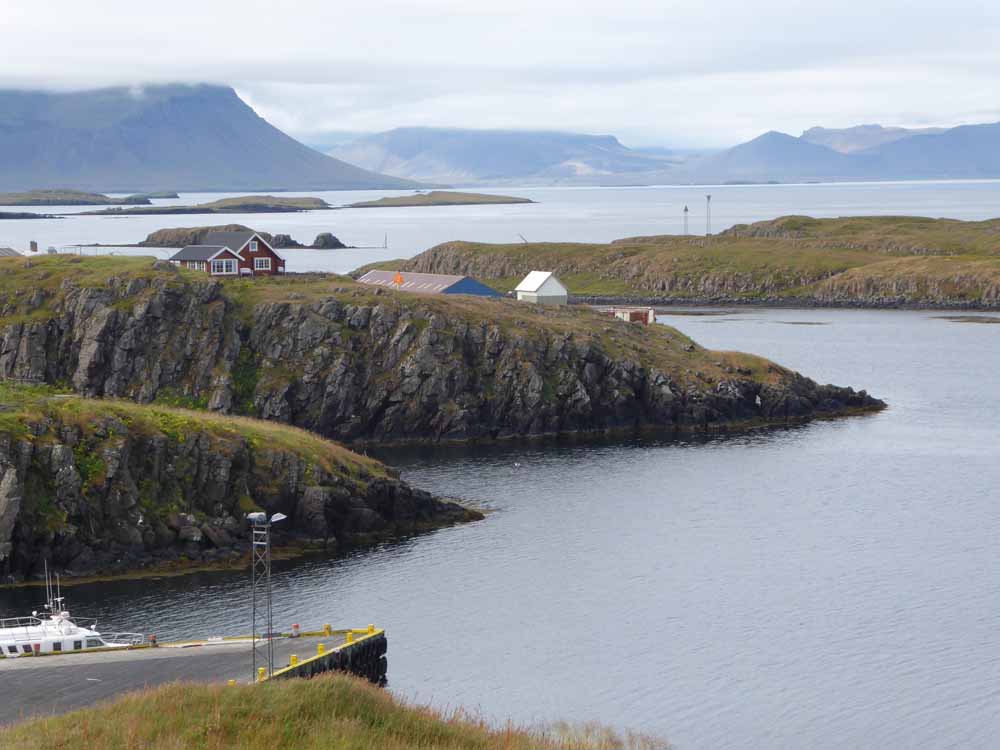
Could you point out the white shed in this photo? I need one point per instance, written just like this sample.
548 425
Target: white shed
543 288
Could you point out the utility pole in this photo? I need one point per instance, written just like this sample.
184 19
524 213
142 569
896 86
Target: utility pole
685 220
708 215
260 591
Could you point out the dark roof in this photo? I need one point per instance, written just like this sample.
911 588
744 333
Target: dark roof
9 252
428 283
232 240
198 252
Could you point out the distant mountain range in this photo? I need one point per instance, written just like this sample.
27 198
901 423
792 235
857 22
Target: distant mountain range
865 152
174 137
458 156
862 137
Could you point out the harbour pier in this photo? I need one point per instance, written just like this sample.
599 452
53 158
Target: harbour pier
56 683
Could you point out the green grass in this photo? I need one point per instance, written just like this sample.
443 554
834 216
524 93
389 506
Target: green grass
22 406
440 198
327 712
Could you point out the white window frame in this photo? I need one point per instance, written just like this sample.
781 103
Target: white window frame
253 246
224 267
261 264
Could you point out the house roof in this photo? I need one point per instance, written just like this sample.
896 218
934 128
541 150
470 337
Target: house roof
412 282
535 280
9 252
201 252
234 240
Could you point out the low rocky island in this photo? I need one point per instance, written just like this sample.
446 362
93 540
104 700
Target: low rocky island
184 236
100 486
440 198
250 204
886 261
69 198
366 364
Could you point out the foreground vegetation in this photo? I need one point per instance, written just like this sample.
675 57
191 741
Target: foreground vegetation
864 260
333 711
440 198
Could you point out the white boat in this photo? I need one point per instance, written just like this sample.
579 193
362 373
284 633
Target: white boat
54 631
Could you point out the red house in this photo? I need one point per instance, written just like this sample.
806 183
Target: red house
231 254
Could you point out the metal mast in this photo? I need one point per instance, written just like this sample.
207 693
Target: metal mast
685 219
260 591
708 215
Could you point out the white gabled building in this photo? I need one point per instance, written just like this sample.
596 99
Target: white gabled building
543 288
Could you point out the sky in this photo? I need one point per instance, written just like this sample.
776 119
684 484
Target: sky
692 74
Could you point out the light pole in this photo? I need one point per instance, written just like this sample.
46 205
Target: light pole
260 588
685 220
708 215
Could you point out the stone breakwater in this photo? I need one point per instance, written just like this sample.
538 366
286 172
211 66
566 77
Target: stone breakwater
358 364
118 492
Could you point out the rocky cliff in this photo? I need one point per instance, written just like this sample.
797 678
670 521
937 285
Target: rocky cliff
101 486
366 364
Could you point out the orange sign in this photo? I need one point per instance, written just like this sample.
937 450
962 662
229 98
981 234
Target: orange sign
398 279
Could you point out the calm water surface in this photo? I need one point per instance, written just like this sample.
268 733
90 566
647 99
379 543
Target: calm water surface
560 215
827 586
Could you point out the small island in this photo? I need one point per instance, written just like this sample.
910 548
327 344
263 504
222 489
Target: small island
249 204
440 198
69 198
10 215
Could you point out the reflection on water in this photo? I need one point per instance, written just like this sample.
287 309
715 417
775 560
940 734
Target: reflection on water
825 586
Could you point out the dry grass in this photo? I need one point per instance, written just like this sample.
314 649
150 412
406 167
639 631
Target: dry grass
333 711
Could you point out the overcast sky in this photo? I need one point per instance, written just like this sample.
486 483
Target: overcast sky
653 73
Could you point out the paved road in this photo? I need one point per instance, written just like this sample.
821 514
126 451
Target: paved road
55 684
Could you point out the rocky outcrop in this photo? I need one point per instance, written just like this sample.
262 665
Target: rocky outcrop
359 364
183 236
120 492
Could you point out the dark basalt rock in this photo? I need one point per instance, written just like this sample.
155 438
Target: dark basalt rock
105 500
377 371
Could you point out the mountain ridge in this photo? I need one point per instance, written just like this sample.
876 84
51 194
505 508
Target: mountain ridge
185 137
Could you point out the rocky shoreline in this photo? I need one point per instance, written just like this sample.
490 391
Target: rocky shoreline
358 364
801 303
98 487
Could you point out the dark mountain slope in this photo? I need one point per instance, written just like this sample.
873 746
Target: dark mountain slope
775 156
968 151
178 137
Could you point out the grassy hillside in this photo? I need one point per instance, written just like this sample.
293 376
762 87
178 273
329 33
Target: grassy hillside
864 260
326 712
32 412
663 347
440 198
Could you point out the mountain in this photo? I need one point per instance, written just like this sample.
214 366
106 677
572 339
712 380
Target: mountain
774 156
176 137
965 152
861 137
460 156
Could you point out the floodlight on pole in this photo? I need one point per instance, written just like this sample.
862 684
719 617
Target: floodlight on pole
260 588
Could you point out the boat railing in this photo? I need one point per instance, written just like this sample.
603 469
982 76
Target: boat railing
123 639
19 622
